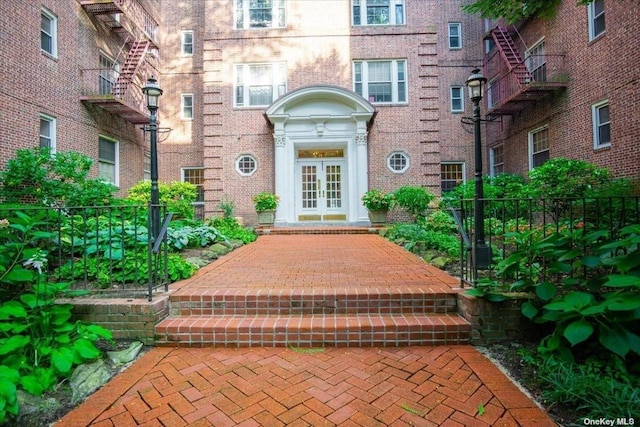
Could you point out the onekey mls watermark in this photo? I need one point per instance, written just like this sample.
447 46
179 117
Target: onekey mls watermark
621 421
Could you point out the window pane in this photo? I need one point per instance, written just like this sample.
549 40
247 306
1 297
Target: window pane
46 34
107 150
377 12
379 71
195 177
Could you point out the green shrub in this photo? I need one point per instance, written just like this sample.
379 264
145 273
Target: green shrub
265 201
409 235
39 343
178 196
231 230
414 200
36 176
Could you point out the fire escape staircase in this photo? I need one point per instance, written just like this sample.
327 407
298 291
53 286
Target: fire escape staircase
512 85
133 64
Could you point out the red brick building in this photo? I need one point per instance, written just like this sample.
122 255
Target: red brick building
317 101
62 62
566 87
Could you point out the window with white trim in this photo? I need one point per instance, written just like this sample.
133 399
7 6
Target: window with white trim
48 132
455 35
596 18
601 125
457 99
246 165
496 160
535 60
49 32
186 106
108 159
381 82
258 85
451 175
259 14
187 42
108 74
146 167
398 162
195 176
378 12
538 146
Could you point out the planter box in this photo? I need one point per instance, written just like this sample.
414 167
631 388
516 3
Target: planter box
266 217
378 217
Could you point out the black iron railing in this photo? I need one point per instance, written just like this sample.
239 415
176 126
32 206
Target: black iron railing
513 225
106 250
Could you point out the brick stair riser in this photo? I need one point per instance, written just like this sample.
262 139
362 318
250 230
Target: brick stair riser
319 332
250 305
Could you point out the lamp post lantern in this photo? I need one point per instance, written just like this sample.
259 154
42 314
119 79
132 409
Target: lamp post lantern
152 94
481 253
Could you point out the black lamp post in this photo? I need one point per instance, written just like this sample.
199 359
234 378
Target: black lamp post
153 92
481 254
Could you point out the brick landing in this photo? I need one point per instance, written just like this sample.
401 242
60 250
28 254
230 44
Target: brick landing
318 290
406 386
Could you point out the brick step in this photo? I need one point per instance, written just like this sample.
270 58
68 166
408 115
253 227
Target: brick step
318 230
313 331
384 300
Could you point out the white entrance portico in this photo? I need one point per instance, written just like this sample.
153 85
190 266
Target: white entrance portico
321 165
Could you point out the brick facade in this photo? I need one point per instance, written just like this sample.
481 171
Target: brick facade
318 44
601 69
33 82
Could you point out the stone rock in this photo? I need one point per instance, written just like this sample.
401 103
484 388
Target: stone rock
219 249
198 262
125 356
87 378
439 262
30 405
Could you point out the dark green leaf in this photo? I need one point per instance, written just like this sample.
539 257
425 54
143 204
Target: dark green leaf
86 349
590 261
578 331
529 310
615 340
32 385
12 309
622 281
546 290
62 359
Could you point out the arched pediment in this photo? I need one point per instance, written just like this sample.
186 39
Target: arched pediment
320 102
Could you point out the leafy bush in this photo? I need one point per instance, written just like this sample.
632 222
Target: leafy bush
39 343
36 176
265 201
414 200
231 230
377 200
178 196
186 236
409 235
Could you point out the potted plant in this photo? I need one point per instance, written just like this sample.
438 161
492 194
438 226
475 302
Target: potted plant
378 204
266 204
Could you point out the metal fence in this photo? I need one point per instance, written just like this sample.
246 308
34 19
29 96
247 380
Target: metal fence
106 250
515 224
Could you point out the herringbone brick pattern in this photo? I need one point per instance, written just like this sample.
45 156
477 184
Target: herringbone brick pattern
419 386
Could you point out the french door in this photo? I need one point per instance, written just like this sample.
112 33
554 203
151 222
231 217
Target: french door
320 190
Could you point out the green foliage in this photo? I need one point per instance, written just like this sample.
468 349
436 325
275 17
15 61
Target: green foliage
187 236
227 207
377 200
178 196
37 176
515 10
414 200
596 388
39 342
265 201
586 285
566 178
413 236
231 230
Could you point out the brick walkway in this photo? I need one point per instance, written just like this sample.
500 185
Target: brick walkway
419 385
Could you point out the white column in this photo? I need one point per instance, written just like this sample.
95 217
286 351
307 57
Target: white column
282 177
362 172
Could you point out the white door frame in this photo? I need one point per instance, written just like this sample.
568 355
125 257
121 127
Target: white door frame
327 117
